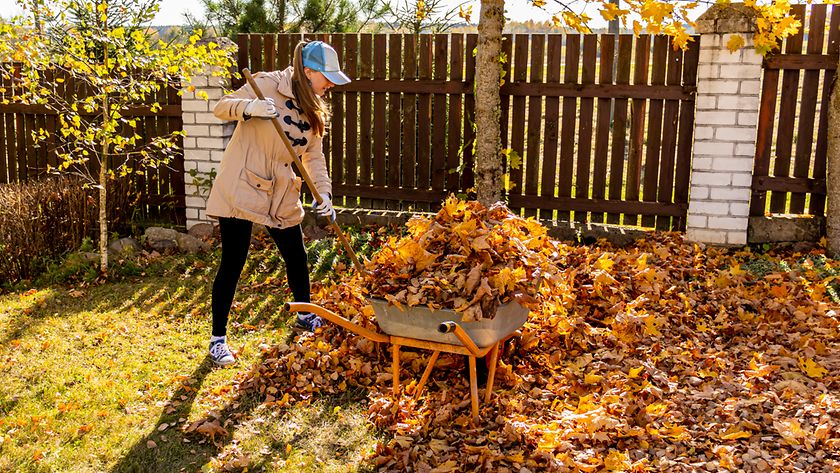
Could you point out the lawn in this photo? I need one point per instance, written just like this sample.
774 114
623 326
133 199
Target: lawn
103 376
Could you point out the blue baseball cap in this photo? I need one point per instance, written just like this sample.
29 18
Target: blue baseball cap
321 57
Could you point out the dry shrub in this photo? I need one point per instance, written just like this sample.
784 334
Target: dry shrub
40 221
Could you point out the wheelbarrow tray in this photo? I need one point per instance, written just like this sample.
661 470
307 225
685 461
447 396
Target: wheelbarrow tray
422 323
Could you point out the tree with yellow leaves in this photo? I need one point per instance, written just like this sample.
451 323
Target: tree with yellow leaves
115 66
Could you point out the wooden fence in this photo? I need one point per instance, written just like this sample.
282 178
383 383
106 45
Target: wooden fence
155 195
616 151
790 143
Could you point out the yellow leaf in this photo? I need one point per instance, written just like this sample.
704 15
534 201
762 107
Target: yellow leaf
604 262
591 378
735 434
616 461
634 372
812 368
790 430
735 43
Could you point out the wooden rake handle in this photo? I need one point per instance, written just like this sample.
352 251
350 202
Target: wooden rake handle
305 175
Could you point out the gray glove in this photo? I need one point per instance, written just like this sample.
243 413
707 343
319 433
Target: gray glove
261 109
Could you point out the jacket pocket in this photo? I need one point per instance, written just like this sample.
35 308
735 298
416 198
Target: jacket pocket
253 192
290 207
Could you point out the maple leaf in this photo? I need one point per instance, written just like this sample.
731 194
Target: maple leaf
812 368
735 43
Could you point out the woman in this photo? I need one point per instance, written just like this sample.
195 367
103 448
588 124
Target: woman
256 182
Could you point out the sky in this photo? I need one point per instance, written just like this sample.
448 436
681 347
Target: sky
172 11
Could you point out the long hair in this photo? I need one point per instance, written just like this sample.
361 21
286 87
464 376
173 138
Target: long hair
314 107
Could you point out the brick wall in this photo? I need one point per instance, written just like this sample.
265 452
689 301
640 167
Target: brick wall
205 142
728 88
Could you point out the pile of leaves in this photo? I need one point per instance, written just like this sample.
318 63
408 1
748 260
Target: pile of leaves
467 258
660 356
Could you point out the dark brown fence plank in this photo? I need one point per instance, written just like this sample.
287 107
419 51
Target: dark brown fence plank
394 115
625 55
583 178
4 144
504 105
764 137
787 115
380 58
255 43
242 57
338 129
468 177
365 115
517 136
552 117
57 83
409 117
351 174
665 190
453 156
808 106
178 186
534 130
439 113
284 51
636 142
686 133
654 134
602 134
817 204
269 52
424 119
801 61
567 134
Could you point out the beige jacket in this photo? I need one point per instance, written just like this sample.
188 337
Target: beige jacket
256 180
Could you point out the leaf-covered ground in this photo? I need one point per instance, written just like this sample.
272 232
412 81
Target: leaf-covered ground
660 356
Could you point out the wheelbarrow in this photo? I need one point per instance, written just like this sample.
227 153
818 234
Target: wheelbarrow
441 330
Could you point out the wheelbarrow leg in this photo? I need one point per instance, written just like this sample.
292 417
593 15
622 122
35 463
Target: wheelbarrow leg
396 367
473 389
426 374
491 376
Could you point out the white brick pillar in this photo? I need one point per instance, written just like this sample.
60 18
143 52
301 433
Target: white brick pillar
204 143
728 89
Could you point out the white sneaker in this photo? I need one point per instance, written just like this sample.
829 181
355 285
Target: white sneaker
220 353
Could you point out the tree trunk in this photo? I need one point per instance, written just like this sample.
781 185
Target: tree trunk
488 142
103 181
832 181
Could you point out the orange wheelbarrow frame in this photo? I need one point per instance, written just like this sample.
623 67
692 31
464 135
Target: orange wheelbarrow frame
467 347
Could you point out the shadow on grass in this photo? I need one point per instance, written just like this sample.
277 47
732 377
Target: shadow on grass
170 449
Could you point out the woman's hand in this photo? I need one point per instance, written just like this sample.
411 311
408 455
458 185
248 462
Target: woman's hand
325 208
261 109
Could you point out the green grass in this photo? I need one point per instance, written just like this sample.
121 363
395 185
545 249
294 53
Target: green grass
91 372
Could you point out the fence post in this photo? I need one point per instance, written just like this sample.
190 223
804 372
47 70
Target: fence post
205 140
728 96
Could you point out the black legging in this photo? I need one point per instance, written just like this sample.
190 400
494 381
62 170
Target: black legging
236 239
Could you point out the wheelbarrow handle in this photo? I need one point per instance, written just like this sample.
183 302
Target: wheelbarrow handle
336 319
453 327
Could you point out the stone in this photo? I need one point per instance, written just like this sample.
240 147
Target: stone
161 239
191 244
202 231
785 228
731 18
123 246
314 232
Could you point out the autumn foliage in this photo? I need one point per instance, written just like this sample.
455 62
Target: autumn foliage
659 356
461 259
